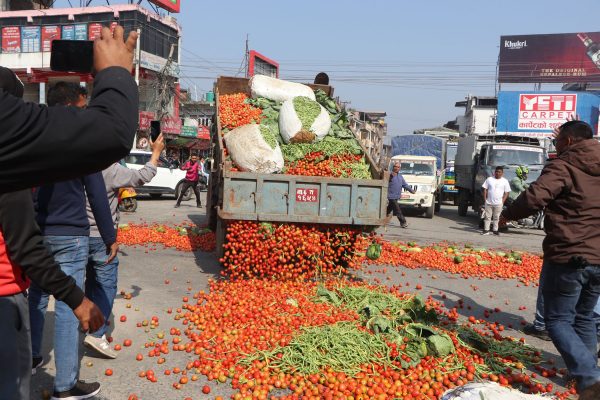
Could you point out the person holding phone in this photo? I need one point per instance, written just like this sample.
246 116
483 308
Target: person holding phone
193 170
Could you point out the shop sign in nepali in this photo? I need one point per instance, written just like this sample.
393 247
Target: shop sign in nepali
545 111
49 33
11 39
189 131
145 118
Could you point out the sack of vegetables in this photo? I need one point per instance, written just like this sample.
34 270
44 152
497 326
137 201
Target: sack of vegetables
254 148
277 89
302 120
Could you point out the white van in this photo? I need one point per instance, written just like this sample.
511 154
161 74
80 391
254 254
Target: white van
420 173
168 180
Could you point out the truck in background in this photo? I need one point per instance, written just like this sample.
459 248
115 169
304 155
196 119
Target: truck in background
422 160
478 156
449 190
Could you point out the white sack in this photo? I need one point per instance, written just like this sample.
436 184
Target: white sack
250 152
277 89
290 124
489 391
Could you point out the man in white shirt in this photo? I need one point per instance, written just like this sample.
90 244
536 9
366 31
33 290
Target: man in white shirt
495 191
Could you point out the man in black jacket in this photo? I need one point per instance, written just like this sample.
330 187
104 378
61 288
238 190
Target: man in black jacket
23 256
88 140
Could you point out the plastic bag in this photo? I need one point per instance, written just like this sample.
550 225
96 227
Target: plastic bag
489 391
251 152
277 89
302 120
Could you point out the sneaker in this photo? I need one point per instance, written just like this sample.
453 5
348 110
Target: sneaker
80 391
101 345
404 225
485 233
496 233
531 330
198 205
591 392
36 362
176 205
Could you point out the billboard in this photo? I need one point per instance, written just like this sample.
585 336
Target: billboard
261 65
170 5
536 114
49 33
30 39
558 58
11 39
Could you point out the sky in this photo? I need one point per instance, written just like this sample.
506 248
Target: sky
412 59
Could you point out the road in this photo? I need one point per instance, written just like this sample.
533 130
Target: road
158 279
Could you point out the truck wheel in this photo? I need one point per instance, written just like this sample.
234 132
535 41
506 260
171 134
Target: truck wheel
438 204
463 203
429 211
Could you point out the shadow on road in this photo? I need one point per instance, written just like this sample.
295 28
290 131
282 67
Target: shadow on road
206 262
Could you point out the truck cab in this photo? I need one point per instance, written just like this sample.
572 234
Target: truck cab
420 173
478 156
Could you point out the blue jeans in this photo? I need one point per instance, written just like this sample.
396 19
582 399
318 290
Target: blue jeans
70 252
539 323
101 280
570 296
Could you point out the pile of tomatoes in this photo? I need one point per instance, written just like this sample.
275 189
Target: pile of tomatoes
289 251
234 111
317 164
180 237
223 330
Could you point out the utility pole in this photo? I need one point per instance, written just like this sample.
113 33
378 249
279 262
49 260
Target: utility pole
247 57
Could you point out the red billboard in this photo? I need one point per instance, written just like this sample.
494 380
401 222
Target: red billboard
545 111
94 31
558 58
261 65
11 39
49 33
170 5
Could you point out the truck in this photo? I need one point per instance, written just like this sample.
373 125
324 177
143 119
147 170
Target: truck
478 156
235 195
422 160
449 190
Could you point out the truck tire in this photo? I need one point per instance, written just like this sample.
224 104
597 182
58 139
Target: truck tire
463 202
429 211
438 203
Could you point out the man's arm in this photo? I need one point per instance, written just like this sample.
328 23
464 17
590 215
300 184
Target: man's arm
405 185
554 178
31 136
25 247
96 194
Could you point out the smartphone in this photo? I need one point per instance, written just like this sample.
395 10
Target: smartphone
154 130
72 56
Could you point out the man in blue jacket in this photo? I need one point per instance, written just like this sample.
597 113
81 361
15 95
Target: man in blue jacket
397 183
62 217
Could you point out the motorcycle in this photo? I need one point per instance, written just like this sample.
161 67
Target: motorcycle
127 200
536 221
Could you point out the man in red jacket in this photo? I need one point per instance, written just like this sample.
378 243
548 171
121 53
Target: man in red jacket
192 176
23 256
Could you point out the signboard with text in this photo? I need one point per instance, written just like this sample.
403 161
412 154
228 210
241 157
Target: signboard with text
30 39
536 114
11 39
81 32
49 33
560 58
145 118
68 32
307 195
94 31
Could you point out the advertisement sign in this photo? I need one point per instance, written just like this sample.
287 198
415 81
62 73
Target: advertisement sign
170 125
81 32
94 31
68 32
536 114
11 39
145 118
30 39
203 132
189 131
49 33
173 6
560 58
545 111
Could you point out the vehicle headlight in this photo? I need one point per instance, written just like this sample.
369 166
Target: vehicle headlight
424 188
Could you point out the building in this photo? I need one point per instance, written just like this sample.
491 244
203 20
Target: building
479 117
370 129
26 37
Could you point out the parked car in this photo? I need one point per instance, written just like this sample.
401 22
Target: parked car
168 180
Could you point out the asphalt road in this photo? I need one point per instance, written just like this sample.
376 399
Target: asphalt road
144 272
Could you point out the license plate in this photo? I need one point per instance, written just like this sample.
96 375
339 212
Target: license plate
405 196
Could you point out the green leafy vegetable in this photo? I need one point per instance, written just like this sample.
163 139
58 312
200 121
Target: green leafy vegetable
307 111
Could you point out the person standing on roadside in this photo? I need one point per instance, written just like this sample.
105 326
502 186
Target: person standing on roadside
102 273
495 192
62 217
570 279
23 256
192 176
396 184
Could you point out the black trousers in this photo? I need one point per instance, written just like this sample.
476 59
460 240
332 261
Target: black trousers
184 188
394 207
